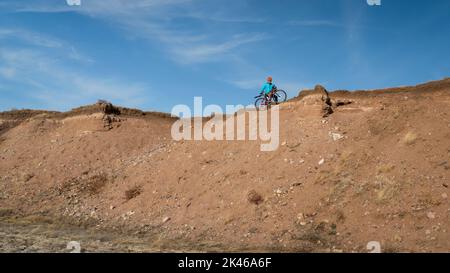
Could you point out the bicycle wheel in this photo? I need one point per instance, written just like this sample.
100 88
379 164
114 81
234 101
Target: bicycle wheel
280 96
260 103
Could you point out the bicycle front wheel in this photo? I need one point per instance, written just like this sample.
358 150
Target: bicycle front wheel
281 96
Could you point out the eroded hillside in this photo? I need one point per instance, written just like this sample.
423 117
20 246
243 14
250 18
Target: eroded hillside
352 167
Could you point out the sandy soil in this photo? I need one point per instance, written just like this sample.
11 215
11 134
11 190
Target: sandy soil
351 168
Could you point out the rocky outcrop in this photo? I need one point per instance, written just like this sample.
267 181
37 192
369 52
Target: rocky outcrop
320 96
108 108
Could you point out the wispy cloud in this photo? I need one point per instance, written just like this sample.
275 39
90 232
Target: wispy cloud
223 18
30 37
58 87
91 7
32 61
43 41
314 23
206 52
150 20
351 24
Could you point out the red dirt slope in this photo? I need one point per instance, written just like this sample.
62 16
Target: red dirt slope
351 168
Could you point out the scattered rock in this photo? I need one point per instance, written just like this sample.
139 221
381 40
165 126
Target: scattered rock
443 163
410 138
108 120
278 191
27 177
431 215
335 136
254 197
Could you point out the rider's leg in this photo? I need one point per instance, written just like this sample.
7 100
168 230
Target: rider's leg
270 96
274 96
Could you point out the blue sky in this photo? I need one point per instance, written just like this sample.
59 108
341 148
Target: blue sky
154 54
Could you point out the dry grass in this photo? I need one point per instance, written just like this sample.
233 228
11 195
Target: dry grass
133 192
340 216
427 200
324 176
344 162
316 236
339 178
339 189
387 188
95 184
4 212
91 185
362 187
385 168
346 156
377 127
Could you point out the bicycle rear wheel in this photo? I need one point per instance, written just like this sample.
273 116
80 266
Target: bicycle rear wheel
260 103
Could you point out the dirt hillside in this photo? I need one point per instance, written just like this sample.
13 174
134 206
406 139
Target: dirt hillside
352 167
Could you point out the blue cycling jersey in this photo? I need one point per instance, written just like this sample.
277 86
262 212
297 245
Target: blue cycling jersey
267 88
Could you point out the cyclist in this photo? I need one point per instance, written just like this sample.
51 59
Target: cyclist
268 88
